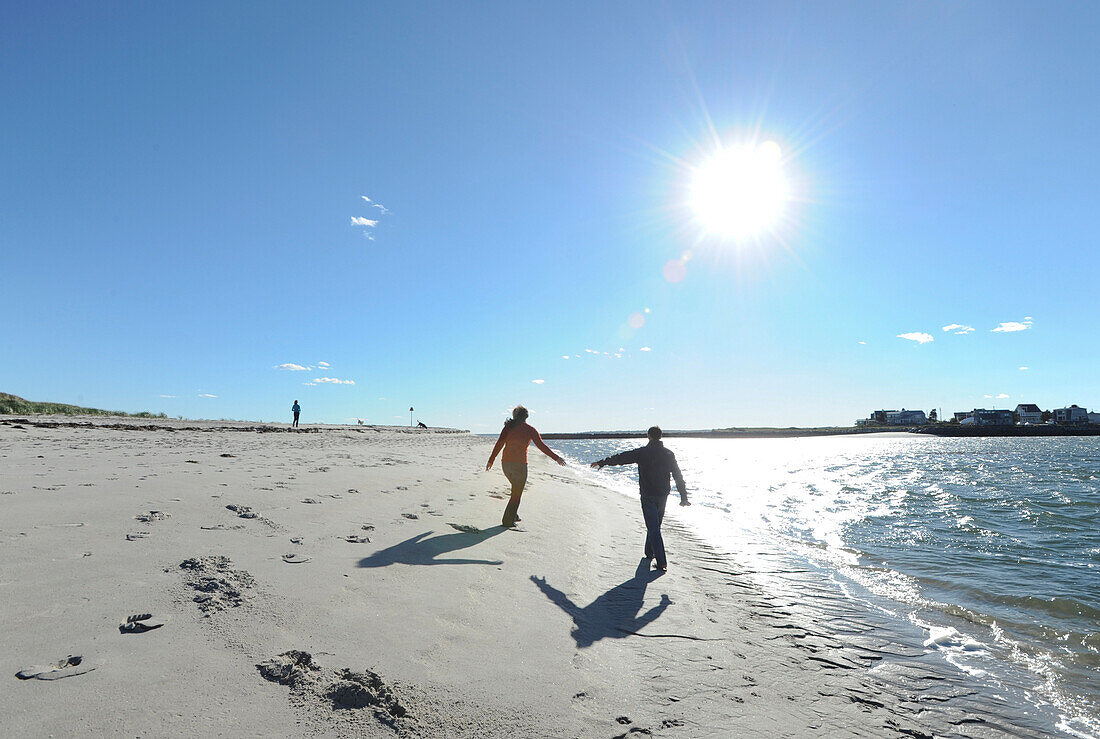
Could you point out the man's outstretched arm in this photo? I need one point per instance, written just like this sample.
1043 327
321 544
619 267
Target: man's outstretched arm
630 457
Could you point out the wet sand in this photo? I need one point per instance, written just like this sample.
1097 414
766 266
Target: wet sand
355 581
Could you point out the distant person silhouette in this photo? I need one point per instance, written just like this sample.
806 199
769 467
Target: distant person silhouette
295 409
655 464
514 440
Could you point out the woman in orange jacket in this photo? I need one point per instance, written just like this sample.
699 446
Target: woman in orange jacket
514 439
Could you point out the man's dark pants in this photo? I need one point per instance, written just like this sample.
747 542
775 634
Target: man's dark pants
653 511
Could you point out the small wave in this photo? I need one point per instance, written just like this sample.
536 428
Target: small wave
947 637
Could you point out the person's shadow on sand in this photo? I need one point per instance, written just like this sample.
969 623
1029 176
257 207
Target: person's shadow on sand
420 551
614 614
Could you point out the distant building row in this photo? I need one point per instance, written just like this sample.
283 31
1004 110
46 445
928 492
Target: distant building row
1028 414
1025 414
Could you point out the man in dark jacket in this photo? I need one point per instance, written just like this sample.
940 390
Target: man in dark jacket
655 464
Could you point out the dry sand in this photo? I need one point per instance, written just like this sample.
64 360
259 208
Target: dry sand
354 581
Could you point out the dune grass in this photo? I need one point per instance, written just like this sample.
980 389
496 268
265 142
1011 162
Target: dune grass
10 404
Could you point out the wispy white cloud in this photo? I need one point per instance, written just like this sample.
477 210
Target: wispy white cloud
1002 396
539 382
1009 326
591 351
366 198
918 336
862 342
323 365
309 384
167 396
360 221
958 328
1022 369
645 349
565 356
292 367
207 395
333 381
380 207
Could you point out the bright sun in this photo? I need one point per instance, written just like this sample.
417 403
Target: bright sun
740 191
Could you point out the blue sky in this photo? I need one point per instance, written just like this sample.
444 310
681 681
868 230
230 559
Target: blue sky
178 185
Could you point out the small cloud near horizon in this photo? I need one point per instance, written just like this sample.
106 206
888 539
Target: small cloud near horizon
958 328
323 365
360 221
207 395
290 366
333 381
645 349
862 342
539 382
1024 368
1010 326
167 396
918 336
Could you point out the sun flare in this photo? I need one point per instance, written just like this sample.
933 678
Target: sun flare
740 191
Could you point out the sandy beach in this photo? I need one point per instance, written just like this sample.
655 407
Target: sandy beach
355 581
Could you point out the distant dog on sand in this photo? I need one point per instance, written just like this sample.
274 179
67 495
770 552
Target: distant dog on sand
360 420
420 425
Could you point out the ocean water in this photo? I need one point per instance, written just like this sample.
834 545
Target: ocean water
991 547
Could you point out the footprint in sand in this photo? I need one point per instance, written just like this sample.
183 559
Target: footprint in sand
243 511
411 516
136 535
219 586
295 540
464 528
294 559
367 527
71 665
311 500
152 516
139 623
356 539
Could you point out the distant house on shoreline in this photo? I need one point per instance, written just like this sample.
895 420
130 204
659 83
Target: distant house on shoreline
1071 415
1029 413
896 418
985 417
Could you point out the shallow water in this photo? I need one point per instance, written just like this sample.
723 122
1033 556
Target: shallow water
991 546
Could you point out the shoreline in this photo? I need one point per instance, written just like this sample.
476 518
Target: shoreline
377 556
942 430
